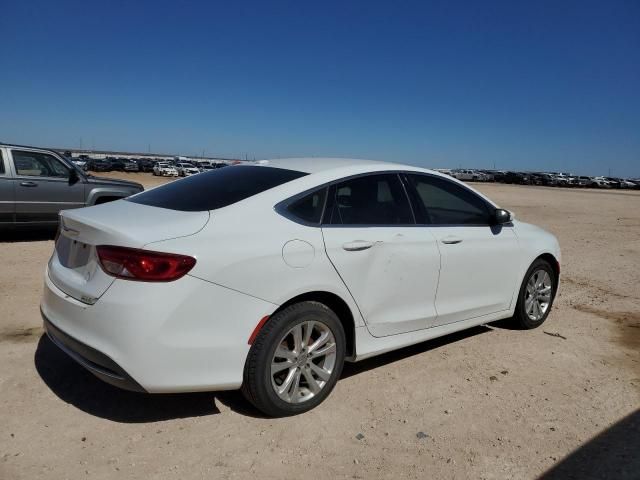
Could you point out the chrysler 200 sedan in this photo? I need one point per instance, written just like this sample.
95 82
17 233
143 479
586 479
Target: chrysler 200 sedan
267 277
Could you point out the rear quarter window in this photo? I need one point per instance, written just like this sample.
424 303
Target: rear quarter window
216 189
306 209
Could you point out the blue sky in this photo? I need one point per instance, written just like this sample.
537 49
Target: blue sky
530 85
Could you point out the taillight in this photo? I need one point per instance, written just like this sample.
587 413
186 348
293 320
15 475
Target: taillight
143 265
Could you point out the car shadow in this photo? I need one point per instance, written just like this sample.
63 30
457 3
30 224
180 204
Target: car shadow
30 234
351 369
505 324
78 387
611 454
75 385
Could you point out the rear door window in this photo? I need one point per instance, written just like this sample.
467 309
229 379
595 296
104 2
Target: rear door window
370 200
2 169
216 188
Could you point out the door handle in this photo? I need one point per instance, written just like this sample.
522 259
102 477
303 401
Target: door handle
451 240
28 184
357 245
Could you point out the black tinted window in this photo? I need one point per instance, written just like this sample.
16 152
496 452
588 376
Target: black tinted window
216 189
371 200
446 203
309 208
1 163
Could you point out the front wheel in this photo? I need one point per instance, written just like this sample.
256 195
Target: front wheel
295 361
536 295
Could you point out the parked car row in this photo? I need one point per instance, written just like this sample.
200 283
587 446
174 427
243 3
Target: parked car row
174 168
550 179
184 169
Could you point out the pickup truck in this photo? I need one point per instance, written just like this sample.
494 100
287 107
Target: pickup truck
35 184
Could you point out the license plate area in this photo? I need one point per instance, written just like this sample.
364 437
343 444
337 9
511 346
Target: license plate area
72 253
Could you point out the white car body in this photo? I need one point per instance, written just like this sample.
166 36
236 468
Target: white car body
408 284
626 184
186 169
79 163
468 175
165 170
600 182
562 179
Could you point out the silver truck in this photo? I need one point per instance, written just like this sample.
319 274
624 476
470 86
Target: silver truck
35 184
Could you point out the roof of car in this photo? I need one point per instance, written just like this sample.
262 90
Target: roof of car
321 164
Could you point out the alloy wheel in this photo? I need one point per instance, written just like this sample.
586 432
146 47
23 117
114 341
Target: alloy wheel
303 362
538 295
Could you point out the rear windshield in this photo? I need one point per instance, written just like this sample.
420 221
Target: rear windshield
216 188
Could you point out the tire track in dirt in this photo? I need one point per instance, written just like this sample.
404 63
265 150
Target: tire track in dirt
21 335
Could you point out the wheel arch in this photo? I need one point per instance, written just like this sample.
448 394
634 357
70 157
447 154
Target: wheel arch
546 255
338 306
99 195
106 198
553 261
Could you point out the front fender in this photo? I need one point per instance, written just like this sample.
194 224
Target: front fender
534 242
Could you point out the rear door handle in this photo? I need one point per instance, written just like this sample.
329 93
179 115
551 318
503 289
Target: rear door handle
357 245
451 240
28 184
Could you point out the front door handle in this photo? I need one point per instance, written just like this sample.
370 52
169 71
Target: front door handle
28 184
451 240
357 245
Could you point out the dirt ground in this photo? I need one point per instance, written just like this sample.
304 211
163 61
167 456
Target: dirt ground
561 401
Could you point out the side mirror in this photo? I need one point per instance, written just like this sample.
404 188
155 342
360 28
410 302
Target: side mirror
73 176
501 216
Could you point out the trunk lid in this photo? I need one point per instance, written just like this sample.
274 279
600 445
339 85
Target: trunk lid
74 267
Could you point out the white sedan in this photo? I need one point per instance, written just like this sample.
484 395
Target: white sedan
186 169
267 277
165 170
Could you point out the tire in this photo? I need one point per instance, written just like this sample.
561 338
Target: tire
532 314
259 386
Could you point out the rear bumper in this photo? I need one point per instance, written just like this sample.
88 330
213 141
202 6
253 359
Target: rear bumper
183 336
96 362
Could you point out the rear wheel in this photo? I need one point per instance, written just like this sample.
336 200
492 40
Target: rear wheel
295 361
536 296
